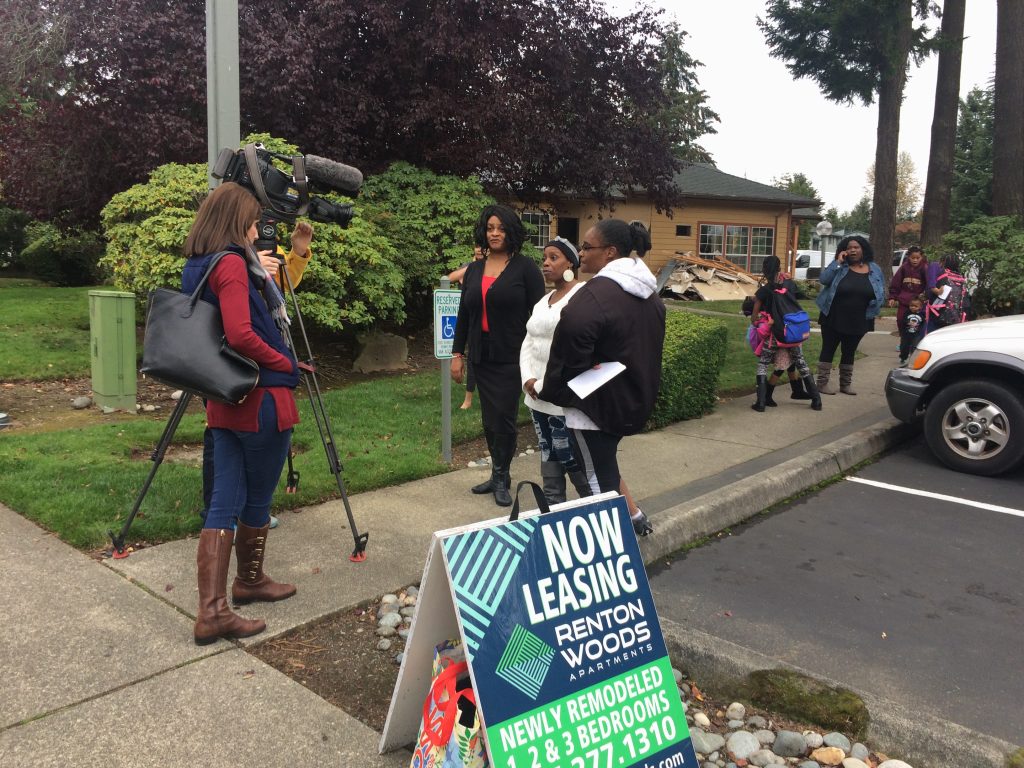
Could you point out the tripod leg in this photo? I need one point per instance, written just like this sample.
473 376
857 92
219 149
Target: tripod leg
157 458
323 425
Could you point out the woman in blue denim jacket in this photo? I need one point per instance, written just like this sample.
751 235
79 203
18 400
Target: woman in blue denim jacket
852 295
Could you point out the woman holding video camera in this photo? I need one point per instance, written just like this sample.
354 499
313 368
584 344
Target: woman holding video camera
498 294
250 439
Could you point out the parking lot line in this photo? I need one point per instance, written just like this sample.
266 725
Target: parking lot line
940 496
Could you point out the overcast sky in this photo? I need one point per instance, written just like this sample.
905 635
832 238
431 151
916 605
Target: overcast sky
772 124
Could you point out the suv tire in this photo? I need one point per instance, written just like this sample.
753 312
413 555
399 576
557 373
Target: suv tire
976 426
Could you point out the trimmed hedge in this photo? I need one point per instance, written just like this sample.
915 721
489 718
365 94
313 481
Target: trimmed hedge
694 353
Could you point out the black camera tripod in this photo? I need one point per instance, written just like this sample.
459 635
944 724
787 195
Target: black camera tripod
307 369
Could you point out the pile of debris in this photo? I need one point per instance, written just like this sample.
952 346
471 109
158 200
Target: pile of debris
692 278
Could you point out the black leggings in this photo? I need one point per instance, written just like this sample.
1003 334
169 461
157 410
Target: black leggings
830 340
595 453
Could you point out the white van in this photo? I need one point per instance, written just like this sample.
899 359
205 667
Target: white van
809 264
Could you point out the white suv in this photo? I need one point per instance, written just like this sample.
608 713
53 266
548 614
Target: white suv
968 380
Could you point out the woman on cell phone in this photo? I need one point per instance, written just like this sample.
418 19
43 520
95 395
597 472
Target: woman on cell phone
852 295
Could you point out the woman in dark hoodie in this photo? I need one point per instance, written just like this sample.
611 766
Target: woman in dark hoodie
616 316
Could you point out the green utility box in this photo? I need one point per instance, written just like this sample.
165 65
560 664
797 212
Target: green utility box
112 346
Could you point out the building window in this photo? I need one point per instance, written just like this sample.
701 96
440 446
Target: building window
538 227
744 246
682 230
711 240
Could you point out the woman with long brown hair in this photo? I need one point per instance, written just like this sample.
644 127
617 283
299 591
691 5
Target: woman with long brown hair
251 438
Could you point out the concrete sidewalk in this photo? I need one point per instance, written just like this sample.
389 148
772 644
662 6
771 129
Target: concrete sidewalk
99 663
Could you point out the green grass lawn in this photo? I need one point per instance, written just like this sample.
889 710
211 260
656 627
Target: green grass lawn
45 331
81 482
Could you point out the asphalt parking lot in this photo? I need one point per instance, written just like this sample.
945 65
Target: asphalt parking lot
914 598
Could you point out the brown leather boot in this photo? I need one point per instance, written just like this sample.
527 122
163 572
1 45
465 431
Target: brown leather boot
252 584
215 619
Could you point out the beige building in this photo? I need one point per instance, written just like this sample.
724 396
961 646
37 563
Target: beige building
721 215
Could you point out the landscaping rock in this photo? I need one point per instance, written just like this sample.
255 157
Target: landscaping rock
381 352
828 755
81 402
706 743
789 744
735 711
837 740
742 744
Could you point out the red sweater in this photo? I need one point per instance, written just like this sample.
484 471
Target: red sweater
230 283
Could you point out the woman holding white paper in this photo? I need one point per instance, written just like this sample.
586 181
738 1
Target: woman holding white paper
561 263
616 317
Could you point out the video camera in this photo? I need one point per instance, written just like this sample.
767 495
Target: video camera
285 198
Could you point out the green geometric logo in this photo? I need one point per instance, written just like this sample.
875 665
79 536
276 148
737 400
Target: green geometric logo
525 662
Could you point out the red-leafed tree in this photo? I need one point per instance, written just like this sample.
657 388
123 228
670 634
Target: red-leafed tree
529 94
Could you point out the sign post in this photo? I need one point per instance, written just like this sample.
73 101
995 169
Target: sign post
562 640
446 310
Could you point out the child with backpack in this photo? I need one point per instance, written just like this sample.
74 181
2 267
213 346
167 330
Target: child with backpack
784 331
948 295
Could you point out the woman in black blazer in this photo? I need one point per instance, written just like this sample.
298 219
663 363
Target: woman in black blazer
498 294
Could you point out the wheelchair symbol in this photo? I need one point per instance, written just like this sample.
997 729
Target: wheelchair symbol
448 326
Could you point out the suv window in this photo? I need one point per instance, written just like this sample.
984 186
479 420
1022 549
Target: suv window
897 257
803 261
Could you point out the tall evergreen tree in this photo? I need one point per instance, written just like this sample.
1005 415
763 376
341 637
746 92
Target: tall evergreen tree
1008 137
856 50
938 186
971 196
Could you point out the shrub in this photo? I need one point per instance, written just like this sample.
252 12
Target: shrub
352 281
429 220
60 258
992 250
12 234
695 348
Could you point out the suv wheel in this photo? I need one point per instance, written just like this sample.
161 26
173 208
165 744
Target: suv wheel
976 426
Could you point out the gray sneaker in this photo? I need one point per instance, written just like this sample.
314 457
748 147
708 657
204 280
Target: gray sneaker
641 525
273 522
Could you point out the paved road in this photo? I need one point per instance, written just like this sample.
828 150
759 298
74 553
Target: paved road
915 599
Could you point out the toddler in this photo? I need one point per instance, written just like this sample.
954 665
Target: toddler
913 324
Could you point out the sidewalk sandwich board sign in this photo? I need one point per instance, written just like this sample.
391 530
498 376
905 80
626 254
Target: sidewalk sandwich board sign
564 646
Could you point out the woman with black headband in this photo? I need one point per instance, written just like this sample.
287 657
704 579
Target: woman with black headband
497 296
560 268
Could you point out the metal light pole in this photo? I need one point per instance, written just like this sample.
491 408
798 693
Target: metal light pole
824 229
222 104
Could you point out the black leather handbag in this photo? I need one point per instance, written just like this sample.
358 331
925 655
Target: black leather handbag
184 346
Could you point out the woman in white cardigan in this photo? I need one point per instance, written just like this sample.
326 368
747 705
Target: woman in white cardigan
560 268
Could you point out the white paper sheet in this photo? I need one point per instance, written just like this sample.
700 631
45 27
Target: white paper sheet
588 381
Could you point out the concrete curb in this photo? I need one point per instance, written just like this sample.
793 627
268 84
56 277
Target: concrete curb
923 739
682 524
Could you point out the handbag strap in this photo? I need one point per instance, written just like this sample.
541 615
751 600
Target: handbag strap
202 283
538 494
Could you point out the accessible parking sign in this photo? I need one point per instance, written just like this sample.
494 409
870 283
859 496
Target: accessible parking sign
446 310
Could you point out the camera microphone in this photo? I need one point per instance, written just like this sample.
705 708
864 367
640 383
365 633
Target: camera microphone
339 177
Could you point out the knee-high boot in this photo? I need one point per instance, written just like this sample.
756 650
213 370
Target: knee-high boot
504 450
812 392
824 374
553 475
215 620
251 582
762 394
487 485
846 378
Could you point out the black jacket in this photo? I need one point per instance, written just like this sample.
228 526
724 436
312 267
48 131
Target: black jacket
510 302
603 323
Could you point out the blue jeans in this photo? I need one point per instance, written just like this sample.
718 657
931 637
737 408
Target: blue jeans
246 469
553 439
